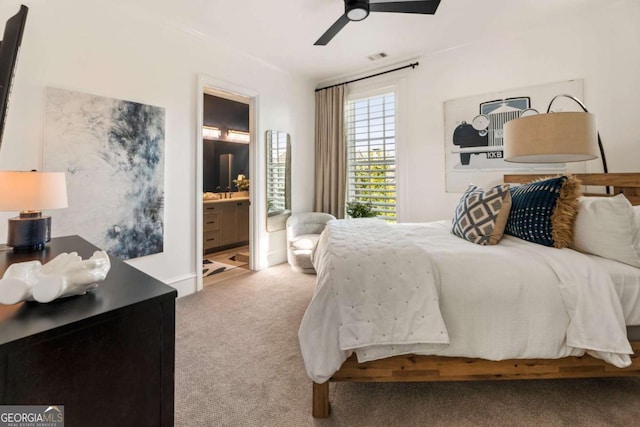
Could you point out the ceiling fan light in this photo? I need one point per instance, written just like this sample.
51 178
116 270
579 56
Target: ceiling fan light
357 14
357 10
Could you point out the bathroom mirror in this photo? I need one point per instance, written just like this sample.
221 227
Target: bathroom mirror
278 179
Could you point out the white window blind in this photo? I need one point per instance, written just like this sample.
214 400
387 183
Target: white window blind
276 168
371 153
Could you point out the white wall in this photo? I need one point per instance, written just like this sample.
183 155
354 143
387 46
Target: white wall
602 46
98 48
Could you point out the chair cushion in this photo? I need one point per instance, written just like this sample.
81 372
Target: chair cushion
304 242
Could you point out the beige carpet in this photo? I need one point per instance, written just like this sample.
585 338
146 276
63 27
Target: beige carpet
238 364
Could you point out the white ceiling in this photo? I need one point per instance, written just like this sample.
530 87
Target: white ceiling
282 32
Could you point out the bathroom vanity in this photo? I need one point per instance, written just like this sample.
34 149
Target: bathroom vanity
225 222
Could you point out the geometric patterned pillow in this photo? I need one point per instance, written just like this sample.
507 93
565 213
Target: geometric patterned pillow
545 211
481 216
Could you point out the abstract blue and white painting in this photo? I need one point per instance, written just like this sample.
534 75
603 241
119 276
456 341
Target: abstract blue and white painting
113 154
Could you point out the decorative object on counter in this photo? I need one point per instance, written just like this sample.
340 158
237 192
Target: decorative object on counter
65 275
31 193
242 182
360 210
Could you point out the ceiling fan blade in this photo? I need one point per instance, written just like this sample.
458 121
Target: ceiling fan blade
332 31
427 7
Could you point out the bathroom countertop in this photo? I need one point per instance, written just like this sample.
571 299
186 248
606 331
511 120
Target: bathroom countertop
223 200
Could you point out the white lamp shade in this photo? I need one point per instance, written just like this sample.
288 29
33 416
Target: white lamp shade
551 138
32 191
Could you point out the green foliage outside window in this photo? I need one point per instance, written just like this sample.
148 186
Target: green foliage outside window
360 210
375 184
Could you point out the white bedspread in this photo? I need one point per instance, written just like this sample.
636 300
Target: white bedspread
384 290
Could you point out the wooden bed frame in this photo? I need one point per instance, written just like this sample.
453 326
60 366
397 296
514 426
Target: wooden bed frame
415 368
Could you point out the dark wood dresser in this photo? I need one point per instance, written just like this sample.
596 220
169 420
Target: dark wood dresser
107 356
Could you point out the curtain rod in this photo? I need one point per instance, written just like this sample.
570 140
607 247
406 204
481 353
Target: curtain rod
412 65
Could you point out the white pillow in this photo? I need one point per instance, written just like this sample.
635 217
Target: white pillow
608 227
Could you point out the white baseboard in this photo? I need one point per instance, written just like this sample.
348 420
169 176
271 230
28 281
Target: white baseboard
185 285
276 257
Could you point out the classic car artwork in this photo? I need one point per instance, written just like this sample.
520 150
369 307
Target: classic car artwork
473 133
483 136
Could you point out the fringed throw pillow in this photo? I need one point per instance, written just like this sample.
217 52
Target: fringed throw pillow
481 216
545 211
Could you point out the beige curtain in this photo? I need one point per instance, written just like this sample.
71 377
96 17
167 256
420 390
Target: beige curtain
331 153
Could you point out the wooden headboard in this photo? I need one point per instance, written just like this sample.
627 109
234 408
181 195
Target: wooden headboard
625 183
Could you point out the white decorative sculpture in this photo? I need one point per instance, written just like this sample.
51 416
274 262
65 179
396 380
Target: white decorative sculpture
63 276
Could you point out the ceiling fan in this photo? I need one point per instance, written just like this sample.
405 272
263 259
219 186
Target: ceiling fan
357 10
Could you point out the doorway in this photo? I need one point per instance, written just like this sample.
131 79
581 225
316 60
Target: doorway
225 214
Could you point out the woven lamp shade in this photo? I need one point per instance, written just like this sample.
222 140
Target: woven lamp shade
551 138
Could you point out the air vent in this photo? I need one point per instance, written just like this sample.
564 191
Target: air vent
377 56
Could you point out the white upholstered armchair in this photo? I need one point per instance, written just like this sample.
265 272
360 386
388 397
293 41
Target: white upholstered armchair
303 231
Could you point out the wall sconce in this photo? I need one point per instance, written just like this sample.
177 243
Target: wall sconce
211 132
239 136
31 193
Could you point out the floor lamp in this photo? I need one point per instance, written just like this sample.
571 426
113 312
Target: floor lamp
554 137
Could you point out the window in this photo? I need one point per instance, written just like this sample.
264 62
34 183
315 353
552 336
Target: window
371 153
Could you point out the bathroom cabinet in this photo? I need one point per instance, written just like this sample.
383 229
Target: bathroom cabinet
225 223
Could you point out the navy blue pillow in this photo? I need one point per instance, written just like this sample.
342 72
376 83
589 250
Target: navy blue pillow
544 211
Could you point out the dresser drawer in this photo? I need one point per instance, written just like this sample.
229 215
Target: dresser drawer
210 221
210 239
210 208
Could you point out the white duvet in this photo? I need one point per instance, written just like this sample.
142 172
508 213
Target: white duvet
385 290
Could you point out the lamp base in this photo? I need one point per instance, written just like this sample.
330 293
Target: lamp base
29 232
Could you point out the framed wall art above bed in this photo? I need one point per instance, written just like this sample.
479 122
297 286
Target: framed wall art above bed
474 128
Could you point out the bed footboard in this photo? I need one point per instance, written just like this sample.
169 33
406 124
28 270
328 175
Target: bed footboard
413 368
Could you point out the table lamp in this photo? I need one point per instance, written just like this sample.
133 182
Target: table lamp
30 193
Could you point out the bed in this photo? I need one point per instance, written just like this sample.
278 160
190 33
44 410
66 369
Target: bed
437 357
